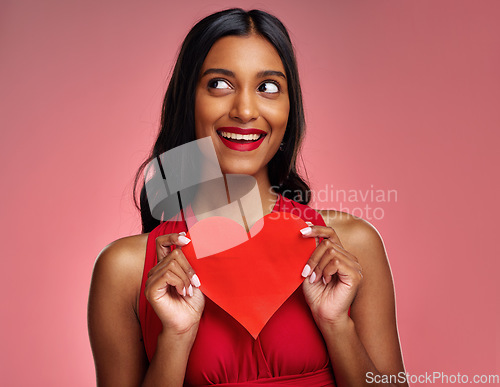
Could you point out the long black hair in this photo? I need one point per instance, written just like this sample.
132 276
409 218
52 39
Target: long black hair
177 119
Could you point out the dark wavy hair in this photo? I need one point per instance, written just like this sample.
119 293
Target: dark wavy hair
177 119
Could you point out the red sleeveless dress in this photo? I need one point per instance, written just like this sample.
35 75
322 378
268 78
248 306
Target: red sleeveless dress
289 351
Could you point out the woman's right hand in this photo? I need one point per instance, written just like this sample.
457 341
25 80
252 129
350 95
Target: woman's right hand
172 286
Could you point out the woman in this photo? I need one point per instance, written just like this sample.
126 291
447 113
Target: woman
237 69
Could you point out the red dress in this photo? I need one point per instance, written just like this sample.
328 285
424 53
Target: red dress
289 350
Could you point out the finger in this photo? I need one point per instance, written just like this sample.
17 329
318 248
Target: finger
161 264
157 285
176 268
344 272
333 252
321 232
316 257
180 265
316 239
158 267
181 259
326 233
165 242
330 254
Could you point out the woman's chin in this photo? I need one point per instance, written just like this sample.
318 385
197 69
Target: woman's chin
239 168
237 171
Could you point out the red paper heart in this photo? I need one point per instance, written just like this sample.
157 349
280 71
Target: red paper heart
253 279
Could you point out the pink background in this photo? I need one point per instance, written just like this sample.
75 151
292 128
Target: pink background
399 95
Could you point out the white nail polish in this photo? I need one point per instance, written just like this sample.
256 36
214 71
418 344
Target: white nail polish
324 280
182 233
190 290
312 277
306 271
306 231
184 291
309 224
195 281
182 240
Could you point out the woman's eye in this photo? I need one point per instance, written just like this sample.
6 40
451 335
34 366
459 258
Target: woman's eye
269 87
218 84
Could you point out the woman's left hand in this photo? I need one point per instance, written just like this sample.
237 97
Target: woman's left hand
333 276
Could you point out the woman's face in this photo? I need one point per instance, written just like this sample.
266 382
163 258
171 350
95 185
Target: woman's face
242 103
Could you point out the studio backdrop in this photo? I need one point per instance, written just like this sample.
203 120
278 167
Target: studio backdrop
402 107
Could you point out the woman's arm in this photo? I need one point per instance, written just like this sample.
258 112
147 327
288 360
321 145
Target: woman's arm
114 329
366 344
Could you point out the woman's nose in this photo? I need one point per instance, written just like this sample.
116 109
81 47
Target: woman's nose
244 107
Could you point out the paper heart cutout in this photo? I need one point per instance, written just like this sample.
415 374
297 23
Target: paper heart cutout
253 279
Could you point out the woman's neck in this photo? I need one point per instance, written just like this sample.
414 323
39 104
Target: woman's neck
243 198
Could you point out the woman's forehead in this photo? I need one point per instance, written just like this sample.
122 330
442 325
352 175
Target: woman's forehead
249 53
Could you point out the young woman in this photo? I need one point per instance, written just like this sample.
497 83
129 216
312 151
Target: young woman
150 324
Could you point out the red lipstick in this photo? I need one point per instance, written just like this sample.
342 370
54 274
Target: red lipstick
228 137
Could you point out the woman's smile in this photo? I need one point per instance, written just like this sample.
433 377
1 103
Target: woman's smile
240 139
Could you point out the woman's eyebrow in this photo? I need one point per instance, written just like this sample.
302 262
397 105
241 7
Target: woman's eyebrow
268 73
225 72
229 73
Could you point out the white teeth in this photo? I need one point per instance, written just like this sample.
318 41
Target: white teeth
235 136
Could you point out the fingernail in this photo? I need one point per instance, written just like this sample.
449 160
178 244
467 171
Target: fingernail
182 240
195 281
306 231
324 280
182 233
190 290
309 224
312 277
184 291
306 271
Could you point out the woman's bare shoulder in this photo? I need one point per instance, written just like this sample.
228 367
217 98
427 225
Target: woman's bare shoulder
126 252
356 234
127 247
120 264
